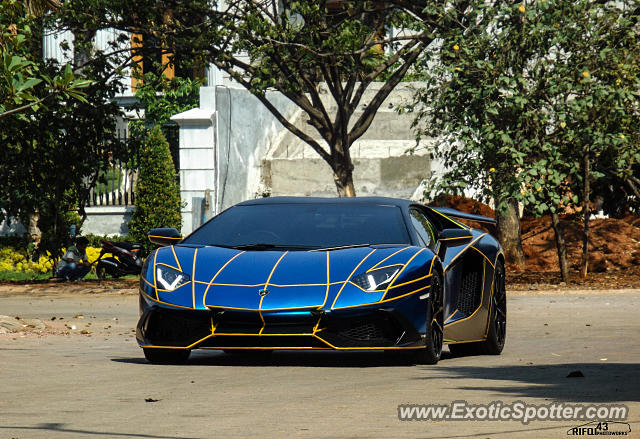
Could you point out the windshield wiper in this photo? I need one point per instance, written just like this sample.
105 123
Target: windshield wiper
266 246
341 247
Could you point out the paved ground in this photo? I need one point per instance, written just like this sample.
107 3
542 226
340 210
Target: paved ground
59 382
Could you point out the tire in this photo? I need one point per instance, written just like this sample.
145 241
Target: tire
496 336
435 323
166 356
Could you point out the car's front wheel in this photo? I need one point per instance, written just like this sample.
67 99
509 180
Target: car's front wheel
166 356
435 324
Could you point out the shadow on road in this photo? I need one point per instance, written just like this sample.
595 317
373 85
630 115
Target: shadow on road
602 382
294 358
55 427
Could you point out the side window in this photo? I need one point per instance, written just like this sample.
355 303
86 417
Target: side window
423 228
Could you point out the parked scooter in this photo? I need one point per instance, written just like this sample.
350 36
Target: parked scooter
126 259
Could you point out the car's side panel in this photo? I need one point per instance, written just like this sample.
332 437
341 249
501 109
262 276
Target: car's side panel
470 284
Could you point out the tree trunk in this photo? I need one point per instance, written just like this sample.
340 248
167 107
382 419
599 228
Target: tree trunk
561 246
586 212
343 173
509 234
344 183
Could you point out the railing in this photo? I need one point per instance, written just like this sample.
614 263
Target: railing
115 187
118 189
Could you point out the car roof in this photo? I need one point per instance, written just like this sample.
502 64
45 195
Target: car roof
334 200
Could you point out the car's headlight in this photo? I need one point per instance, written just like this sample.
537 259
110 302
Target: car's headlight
169 278
377 279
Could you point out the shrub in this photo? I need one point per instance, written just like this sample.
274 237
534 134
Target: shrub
157 190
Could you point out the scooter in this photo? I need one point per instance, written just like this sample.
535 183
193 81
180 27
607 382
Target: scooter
126 259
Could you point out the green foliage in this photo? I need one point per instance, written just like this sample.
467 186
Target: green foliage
51 157
157 191
161 98
523 93
20 68
322 56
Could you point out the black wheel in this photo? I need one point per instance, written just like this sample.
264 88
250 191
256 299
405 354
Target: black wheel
435 324
166 356
497 333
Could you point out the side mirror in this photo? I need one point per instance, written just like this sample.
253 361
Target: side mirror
164 236
450 237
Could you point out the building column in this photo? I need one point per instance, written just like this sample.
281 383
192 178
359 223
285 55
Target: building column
198 161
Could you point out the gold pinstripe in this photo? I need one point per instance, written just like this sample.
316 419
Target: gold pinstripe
193 275
485 256
204 296
388 257
349 278
462 251
385 300
266 284
484 270
176 257
451 219
400 272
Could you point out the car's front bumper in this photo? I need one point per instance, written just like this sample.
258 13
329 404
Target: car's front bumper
371 327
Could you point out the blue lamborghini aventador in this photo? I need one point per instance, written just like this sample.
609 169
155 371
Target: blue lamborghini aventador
324 273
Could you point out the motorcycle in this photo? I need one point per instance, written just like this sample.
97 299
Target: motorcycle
126 258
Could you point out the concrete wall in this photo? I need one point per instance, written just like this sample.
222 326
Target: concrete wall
104 220
107 220
246 131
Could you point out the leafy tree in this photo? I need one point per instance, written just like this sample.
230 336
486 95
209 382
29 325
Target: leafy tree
157 191
52 156
296 46
20 69
161 98
527 95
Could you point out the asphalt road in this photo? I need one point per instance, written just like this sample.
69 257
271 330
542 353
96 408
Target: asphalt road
63 383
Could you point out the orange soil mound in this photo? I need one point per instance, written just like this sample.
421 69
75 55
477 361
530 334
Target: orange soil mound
614 243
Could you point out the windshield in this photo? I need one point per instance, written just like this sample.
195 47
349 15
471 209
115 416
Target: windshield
319 225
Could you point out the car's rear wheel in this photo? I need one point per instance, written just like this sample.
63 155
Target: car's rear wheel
166 356
497 332
435 324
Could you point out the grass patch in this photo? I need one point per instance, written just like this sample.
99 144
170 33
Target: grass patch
21 276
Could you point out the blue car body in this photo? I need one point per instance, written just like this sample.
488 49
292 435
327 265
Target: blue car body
279 298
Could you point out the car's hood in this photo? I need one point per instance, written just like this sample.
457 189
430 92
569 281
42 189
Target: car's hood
275 279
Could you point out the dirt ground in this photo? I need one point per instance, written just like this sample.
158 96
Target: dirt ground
614 249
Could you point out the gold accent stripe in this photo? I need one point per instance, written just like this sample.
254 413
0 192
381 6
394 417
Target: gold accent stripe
411 281
164 303
176 256
388 257
204 296
349 278
385 300
193 275
484 270
462 251
485 256
326 293
400 272
451 219
266 284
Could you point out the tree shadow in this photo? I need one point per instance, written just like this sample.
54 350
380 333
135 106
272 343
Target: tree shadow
55 427
602 382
